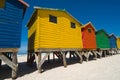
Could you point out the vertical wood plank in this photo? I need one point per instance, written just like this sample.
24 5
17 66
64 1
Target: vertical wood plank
87 56
28 57
14 60
48 58
95 54
0 63
105 53
38 59
64 59
70 55
53 56
80 56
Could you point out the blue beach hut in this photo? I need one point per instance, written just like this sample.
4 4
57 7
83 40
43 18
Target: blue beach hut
11 16
112 40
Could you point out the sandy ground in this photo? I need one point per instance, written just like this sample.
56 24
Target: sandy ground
107 68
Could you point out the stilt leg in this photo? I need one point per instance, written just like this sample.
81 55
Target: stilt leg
70 55
48 58
64 59
28 57
53 56
87 56
100 53
38 59
40 62
0 63
80 56
104 52
14 60
95 54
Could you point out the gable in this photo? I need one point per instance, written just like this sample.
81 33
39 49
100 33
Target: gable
100 32
54 11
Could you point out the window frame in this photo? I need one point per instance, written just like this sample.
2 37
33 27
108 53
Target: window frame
53 19
73 25
89 30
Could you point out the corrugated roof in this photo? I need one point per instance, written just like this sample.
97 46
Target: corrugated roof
88 24
63 10
103 31
110 35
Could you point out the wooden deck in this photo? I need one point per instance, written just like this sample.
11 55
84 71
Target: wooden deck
9 56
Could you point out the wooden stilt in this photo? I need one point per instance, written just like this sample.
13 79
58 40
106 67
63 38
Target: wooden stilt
28 57
64 59
48 58
100 53
38 59
0 63
104 53
86 54
70 55
53 56
95 54
80 56
40 63
14 60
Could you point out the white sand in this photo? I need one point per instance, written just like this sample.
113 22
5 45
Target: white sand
101 69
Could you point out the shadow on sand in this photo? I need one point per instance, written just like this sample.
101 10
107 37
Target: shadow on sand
24 69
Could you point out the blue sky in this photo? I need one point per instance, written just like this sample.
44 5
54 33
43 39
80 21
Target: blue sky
104 14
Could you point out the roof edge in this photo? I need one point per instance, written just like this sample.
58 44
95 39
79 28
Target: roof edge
112 35
24 3
103 31
37 7
88 24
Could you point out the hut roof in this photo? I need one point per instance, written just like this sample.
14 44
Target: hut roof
24 3
102 30
110 35
88 24
53 9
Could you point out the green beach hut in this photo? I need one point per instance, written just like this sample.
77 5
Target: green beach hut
102 39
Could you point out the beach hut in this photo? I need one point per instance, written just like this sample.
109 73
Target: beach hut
102 39
112 39
88 36
113 44
52 30
89 40
118 42
103 43
11 16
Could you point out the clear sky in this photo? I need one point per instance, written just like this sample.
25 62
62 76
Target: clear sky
104 14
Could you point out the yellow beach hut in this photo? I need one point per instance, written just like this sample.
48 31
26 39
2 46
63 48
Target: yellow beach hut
118 42
52 30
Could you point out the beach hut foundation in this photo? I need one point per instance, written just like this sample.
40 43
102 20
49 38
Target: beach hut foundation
9 56
87 55
80 56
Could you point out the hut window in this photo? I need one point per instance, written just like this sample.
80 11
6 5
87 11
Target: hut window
89 30
52 19
73 25
2 3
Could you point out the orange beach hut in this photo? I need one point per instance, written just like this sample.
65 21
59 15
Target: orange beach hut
88 36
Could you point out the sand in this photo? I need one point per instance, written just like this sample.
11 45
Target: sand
107 68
